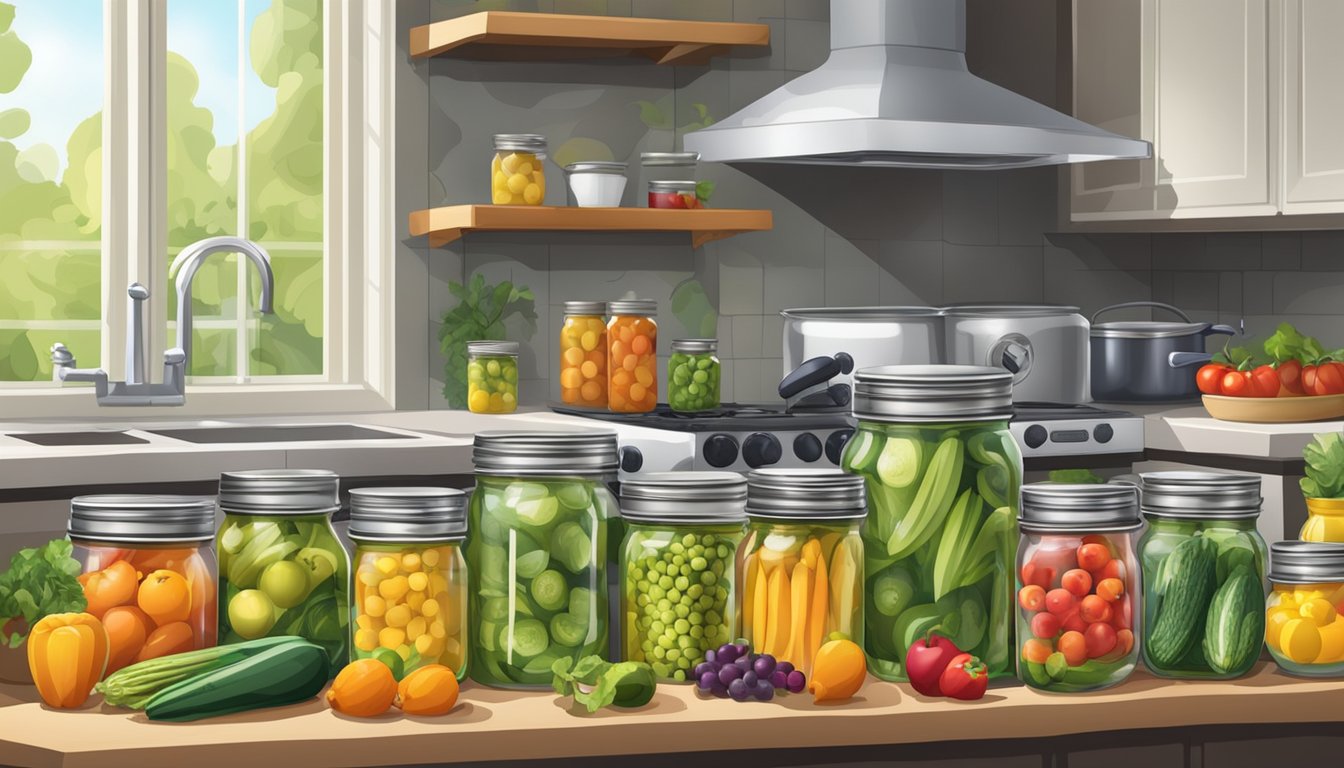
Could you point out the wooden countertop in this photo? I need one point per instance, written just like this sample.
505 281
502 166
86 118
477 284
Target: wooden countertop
507 725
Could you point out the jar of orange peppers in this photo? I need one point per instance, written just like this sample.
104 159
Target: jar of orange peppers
632 357
583 354
148 572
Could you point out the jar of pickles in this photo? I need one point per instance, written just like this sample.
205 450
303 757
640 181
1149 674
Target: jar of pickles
537 553
147 571
632 336
682 530
583 354
492 376
282 571
1079 581
517 173
693 375
1304 628
803 539
410 586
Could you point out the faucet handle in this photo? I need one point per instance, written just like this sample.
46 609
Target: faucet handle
137 291
174 356
61 356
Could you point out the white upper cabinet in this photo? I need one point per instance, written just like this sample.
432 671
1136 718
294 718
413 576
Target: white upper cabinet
1313 106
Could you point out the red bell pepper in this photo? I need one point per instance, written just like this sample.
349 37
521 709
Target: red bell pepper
966 677
926 660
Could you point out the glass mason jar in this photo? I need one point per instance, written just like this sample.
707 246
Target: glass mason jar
1304 629
682 530
282 571
804 526
632 358
942 474
518 170
1200 556
1325 521
536 551
492 376
148 571
664 193
583 354
1078 583
409 593
693 375
676 166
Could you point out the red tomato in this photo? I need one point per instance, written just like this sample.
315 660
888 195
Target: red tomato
1092 609
1113 570
1309 379
1093 557
1032 597
1124 639
1330 379
1077 581
1060 602
1290 376
1041 576
1045 625
1074 647
1110 590
1100 639
1209 378
1237 384
1264 382
1123 618
1073 622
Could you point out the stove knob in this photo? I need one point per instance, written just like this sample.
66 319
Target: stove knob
807 447
835 444
1035 436
761 449
631 458
1103 433
720 451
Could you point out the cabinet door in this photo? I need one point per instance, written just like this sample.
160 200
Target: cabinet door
1313 106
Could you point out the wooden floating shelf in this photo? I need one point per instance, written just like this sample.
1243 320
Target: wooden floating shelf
444 225
539 35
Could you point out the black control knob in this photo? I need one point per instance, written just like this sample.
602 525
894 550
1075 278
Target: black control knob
720 451
807 447
1035 436
761 449
631 458
1103 433
835 444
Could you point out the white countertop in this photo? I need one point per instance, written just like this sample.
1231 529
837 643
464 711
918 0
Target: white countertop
1190 429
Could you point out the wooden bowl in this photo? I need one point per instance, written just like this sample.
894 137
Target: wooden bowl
1275 410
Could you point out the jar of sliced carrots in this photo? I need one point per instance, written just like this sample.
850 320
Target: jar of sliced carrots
583 354
632 357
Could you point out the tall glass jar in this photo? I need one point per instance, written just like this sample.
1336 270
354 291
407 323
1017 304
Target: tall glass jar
1304 628
536 551
632 357
693 374
1200 556
518 170
282 571
147 571
682 530
409 594
1078 585
804 526
583 354
492 376
942 474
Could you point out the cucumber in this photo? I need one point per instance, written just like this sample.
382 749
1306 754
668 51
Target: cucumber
133 686
568 629
1236 623
550 591
899 463
862 451
950 559
285 674
892 592
529 638
937 491
1190 583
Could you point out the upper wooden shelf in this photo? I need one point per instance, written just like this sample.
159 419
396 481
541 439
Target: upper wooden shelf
444 225
538 35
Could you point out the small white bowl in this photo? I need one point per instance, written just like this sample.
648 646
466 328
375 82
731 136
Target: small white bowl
596 184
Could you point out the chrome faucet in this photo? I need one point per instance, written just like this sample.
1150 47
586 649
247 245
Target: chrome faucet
137 390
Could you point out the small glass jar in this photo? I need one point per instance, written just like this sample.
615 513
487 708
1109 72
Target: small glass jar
673 194
517 173
1304 629
583 354
147 571
632 357
673 166
492 376
1078 585
693 375
282 571
1200 550
409 591
682 530
1325 521
804 526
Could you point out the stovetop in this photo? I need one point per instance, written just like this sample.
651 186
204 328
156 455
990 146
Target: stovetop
1027 411
730 417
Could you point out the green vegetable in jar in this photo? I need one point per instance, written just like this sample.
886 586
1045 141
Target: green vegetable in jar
492 384
692 380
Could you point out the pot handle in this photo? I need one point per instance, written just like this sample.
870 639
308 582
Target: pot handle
1220 329
1186 359
1133 304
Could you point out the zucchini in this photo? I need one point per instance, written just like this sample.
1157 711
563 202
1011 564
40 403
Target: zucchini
285 674
937 491
899 463
949 561
1236 624
131 687
1189 572
862 451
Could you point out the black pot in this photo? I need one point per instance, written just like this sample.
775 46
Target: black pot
1147 361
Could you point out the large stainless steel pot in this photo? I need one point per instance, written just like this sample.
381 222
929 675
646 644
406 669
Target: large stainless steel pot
872 336
1045 347
1147 361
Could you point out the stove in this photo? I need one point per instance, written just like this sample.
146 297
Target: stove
1051 430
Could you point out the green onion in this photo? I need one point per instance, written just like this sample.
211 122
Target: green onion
131 687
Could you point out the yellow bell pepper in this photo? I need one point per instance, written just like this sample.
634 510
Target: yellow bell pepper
67 654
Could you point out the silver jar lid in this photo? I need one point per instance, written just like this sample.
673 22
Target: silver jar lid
279 492
668 158
805 494
142 519
672 185
933 393
544 454
598 308
492 348
407 514
695 346
1200 495
640 307
597 166
705 498
1050 507
520 142
1306 562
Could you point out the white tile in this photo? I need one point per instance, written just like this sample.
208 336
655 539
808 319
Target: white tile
851 274
912 272
741 283
794 287
772 336
726 351
747 337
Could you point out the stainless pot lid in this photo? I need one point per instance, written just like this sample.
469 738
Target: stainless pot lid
131 518
685 498
1306 562
860 314
933 393
1010 310
1200 495
1147 329
1048 507
805 494
279 492
544 454
407 514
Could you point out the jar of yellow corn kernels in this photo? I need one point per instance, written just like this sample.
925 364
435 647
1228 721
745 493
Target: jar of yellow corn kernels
410 590
583 354
517 174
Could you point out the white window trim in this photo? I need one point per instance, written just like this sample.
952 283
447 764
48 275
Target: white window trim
360 58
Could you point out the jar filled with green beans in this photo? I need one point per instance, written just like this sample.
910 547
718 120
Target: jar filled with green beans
683 529
693 374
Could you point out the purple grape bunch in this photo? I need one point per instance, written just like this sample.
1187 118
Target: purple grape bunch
733 671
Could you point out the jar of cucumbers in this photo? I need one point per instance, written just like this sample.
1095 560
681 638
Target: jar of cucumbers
537 553
942 474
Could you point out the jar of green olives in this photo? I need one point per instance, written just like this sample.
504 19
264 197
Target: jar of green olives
492 376
683 529
693 375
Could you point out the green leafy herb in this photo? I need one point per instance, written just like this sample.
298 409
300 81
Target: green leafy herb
703 189
1075 476
1325 467
595 683
479 316
1288 343
40 581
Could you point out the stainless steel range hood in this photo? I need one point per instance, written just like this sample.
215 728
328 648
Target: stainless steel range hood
895 92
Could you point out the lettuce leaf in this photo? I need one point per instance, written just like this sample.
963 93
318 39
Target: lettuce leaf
40 581
595 683
1325 467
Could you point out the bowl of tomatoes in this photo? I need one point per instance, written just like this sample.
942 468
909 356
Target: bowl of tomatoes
1294 380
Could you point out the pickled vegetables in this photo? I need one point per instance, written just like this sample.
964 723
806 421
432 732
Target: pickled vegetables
492 383
583 361
1304 629
693 377
411 601
517 178
632 385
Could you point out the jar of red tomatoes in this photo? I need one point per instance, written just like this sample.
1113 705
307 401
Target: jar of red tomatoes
1078 585
673 194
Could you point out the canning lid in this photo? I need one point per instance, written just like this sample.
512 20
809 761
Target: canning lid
544 454
671 185
487 348
597 166
639 307
1200 495
279 492
1050 507
668 158
1306 562
520 142
142 519
805 494
407 514
596 308
695 346
933 393
685 498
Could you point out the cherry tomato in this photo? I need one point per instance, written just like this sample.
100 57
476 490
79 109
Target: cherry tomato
1264 382
1093 557
1045 625
1074 647
1330 379
1123 617
1060 602
1073 622
1210 378
1309 379
1290 376
1092 609
1113 570
1077 581
1032 597
1237 384
1040 575
1100 639
1110 590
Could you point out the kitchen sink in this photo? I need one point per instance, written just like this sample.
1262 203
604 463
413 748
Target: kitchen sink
57 439
260 433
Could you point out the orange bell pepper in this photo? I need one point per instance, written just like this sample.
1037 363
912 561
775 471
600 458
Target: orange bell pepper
67 654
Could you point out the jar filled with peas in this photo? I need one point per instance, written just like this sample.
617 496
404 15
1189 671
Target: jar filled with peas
517 173
632 371
583 354
492 376
683 529
693 375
